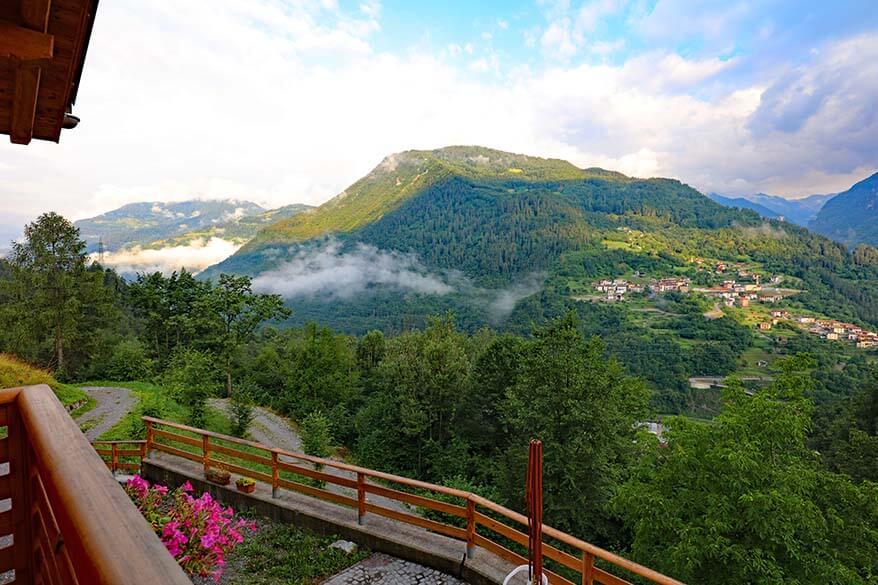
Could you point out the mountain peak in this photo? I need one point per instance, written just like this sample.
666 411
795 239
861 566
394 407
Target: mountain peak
400 175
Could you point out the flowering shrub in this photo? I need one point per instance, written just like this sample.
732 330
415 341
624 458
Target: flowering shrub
198 532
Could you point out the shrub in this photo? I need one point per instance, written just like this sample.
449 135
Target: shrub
128 361
241 409
316 439
198 532
192 378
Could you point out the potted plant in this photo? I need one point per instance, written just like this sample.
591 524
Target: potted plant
245 485
218 475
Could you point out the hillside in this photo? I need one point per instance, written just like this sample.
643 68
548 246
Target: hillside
456 229
490 214
14 372
150 221
798 211
851 217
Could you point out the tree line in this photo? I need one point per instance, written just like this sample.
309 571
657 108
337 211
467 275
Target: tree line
772 490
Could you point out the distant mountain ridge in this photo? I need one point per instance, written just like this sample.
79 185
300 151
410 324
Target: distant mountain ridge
743 203
851 217
798 211
156 224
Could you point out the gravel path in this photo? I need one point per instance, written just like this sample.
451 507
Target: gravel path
112 405
274 430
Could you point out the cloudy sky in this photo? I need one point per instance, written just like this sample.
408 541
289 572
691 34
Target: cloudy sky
282 101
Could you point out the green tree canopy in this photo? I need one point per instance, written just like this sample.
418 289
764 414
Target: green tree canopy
742 500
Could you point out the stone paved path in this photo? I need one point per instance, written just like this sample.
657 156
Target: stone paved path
381 569
274 430
112 405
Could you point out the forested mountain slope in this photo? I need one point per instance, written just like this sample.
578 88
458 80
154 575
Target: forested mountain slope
851 217
478 231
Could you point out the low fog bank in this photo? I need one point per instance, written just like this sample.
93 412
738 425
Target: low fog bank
331 272
194 257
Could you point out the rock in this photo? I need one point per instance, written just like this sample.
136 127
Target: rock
345 545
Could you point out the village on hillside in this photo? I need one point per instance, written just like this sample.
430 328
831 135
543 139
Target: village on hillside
742 287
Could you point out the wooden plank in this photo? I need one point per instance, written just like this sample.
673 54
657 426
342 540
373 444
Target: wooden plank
6 523
432 525
317 493
128 466
83 496
178 452
24 103
515 558
501 529
420 501
318 475
214 448
178 438
605 578
245 471
7 558
549 551
128 452
5 486
35 14
24 45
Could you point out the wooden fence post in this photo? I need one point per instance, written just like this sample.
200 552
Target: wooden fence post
587 568
470 527
275 475
114 458
149 438
142 456
205 452
361 497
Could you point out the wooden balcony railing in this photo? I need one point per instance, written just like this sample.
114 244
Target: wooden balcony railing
122 455
470 518
70 521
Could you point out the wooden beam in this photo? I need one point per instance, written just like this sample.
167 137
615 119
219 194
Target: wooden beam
25 45
35 14
24 104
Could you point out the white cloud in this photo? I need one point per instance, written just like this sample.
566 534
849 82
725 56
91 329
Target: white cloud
194 257
329 272
281 102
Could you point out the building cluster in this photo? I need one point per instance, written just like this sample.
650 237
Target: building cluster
829 329
734 292
840 331
615 290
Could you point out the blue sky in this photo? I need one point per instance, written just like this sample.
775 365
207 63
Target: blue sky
281 101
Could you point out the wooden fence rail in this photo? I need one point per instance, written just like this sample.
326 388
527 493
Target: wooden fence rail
480 522
122 455
70 522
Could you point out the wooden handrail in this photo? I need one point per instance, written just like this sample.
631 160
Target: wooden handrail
585 564
72 521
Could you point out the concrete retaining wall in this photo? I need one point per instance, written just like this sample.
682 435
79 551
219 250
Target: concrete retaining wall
376 533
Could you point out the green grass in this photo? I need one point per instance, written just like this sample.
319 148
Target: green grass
283 554
14 372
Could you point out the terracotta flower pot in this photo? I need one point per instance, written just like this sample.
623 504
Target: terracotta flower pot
246 488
